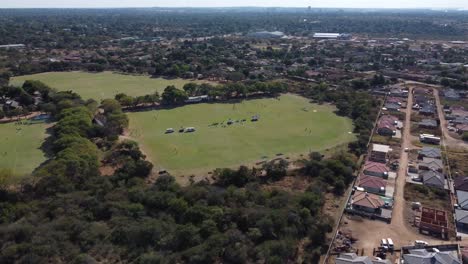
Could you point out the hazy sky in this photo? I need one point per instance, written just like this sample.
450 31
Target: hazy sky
224 3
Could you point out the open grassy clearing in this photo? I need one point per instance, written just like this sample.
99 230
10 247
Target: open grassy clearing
102 85
287 125
20 147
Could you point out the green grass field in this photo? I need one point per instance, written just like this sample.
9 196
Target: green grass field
103 85
20 147
289 125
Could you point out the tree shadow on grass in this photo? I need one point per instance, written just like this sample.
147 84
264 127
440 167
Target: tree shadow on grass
46 147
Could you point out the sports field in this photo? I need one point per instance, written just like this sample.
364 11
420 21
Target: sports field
20 147
286 125
102 85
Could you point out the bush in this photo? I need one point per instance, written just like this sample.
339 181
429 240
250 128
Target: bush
465 136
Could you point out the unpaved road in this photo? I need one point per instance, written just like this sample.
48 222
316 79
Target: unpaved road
449 141
370 232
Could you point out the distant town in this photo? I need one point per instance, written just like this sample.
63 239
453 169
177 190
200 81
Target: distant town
255 135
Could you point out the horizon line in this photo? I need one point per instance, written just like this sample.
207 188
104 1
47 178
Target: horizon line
227 7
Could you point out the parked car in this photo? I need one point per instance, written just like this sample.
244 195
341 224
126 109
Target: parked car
420 243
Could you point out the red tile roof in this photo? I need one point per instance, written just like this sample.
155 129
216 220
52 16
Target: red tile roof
371 182
375 167
387 121
367 200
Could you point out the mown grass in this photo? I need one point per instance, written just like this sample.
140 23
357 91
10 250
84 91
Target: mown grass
20 147
287 125
102 85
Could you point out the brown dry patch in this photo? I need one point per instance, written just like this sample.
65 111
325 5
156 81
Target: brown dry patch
289 184
430 199
107 170
458 161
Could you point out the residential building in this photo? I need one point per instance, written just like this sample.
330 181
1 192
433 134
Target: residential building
460 120
461 183
353 258
379 153
387 125
462 128
461 218
462 198
428 123
394 100
11 104
431 164
392 107
421 100
420 91
376 169
372 184
433 179
451 94
427 109
422 256
398 92
367 202
429 152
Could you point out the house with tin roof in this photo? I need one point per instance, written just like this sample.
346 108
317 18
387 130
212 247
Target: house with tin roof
427 109
428 123
462 128
422 256
451 94
431 164
461 183
429 152
392 107
353 258
462 198
461 219
433 179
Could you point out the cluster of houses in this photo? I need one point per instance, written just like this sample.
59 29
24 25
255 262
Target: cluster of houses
9 105
417 254
428 169
375 186
424 102
455 114
373 192
460 186
457 118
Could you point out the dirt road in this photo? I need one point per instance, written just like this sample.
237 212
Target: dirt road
370 232
398 219
449 141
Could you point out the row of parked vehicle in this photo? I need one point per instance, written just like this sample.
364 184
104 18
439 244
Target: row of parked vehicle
181 130
387 244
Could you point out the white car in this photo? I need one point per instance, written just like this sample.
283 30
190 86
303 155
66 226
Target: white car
421 243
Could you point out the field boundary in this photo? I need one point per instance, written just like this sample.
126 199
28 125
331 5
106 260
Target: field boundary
325 260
